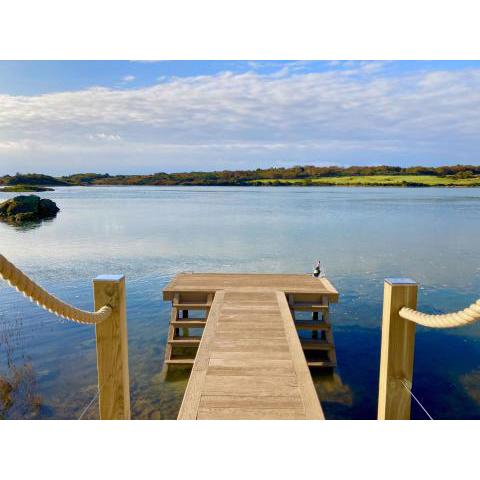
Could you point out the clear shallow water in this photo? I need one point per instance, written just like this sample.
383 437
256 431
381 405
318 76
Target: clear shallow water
152 233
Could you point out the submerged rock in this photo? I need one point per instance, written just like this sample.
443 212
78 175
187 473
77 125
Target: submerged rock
27 208
5 395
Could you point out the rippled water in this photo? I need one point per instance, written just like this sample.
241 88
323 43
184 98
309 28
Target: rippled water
151 233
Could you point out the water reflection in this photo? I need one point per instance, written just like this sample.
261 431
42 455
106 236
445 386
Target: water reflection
27 226
330 388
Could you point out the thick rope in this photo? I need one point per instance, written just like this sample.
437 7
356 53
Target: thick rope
448 320
18 280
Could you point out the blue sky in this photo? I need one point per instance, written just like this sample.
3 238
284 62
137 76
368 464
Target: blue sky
38 77
137 117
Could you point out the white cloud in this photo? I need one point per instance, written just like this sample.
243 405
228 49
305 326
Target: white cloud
104 136
248 119
128 78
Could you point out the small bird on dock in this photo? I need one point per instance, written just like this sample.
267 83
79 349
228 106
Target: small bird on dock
317 270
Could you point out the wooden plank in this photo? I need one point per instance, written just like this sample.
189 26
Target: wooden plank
250 369
250 414
308 307
313 410
228 355
193 392
248 401
251 334
321 363
191 306
332 354
249 326
251 386
193 323
249 346
180 361
288 283
312 325
308 344
171 330
252 362
185 342
247 317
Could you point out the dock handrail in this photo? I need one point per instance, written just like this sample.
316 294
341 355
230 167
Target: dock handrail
25 285
461 318
109 319
398 339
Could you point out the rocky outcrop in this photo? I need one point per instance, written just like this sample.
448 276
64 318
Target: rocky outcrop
27 208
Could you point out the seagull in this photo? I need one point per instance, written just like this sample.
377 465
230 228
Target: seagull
317 270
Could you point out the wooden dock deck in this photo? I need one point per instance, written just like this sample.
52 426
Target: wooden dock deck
250 362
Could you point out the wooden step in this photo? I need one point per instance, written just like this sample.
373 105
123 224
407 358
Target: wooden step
192 306
180 361
308 307
308 344
312 325
193 323
185 342
321 364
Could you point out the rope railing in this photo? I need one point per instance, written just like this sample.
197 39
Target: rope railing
398 341
449 320
22 283
111 337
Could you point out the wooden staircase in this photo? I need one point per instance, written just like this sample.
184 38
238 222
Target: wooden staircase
181 346
319 347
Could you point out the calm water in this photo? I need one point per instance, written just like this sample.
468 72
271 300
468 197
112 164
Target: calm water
150 234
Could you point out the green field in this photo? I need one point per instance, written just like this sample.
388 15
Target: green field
377 180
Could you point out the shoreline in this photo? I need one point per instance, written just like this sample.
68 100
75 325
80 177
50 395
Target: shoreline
263 185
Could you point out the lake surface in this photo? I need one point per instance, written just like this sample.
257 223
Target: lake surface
362 235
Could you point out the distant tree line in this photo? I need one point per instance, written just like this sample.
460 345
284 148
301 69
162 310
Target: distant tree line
31 179
237 177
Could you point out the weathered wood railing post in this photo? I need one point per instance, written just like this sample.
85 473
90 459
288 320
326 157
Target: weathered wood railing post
398 340
112 349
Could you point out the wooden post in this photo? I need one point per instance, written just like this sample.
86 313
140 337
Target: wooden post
398 340
112 349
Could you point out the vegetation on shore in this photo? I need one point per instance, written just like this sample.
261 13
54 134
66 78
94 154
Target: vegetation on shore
383 175
376 181
25 188
37 179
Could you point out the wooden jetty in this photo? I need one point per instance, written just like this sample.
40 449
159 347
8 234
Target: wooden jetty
250 362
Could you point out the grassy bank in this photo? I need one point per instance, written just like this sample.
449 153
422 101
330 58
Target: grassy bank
375 181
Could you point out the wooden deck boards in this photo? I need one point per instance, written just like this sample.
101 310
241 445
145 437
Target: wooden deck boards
250 363
212 282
